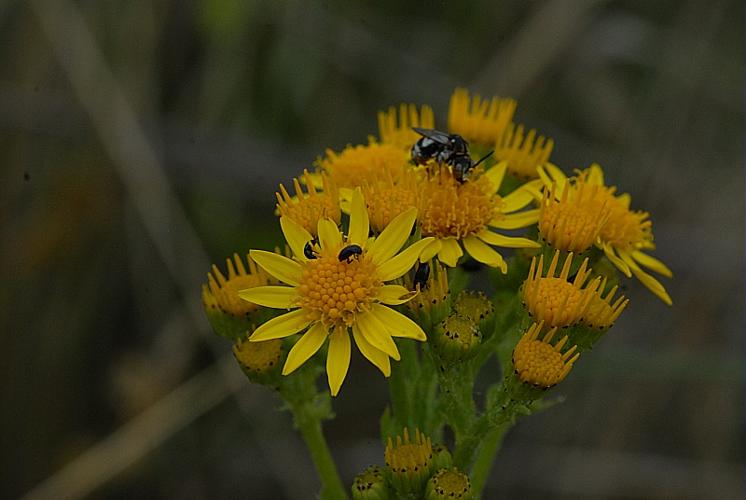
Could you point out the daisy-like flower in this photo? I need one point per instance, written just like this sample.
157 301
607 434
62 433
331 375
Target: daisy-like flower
625 234
387 196
396 130
523 152
571 218
330 297
308 208
603 310
453 212
553 299
221 292
538 362
356 164
478 120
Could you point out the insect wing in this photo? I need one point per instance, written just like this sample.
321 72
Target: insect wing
434 135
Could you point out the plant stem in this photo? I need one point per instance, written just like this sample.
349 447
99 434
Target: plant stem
485 458
309 425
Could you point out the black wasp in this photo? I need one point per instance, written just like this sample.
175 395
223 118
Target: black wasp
446 149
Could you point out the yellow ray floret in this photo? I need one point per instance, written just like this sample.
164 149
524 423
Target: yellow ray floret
332 295
523 152
478 120
356 164
396 130
554 299
571 219
625 233
538 362
222 291
457 213
308 208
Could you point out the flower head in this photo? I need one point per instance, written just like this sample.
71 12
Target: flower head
337 291
477 120
308 208
602 310
356 164
538 362
387 196
625 234
453 212
370 485
398 132
222 292
456 338
409 460
448 484
554 299
523 153
572 218
258 358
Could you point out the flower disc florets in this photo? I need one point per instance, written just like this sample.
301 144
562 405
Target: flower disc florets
355 164
223 291
308 208
451 209
539 363
333 291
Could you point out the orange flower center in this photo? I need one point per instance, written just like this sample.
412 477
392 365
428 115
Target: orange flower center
333 291
448 208
359 163
553 300
573 223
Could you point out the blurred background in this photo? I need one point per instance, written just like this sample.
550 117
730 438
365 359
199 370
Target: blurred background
142 140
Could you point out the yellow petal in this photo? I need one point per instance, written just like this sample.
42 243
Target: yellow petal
619 263
309 343
359 225
284 269
338 359
506 241
450 252
279 297
517 200
395 295
296 236
391 239
431 250
517 220
397 324
652 263
330 238
596 175
646 279
496 175
375 356
376 334
484 253
397 266
281 326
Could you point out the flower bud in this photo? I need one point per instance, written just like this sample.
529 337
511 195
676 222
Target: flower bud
370 485
260 361
456 337
448 484
408 462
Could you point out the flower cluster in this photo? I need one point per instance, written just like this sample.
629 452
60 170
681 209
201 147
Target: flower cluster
380 238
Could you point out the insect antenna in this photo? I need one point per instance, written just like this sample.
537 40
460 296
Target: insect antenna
483 158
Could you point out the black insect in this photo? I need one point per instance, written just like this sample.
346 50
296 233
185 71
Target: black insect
350 252
421 275
308 250
446 149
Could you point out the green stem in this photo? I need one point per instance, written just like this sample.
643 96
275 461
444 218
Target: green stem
309 425
485 458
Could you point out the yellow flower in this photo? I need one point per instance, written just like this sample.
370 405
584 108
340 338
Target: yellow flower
454 212
258 358
308 209
399 133
554 299
523 152
538 362
480 121
356 164
409 460
387 197
332 296
572 218
222 293
624 235
602 312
